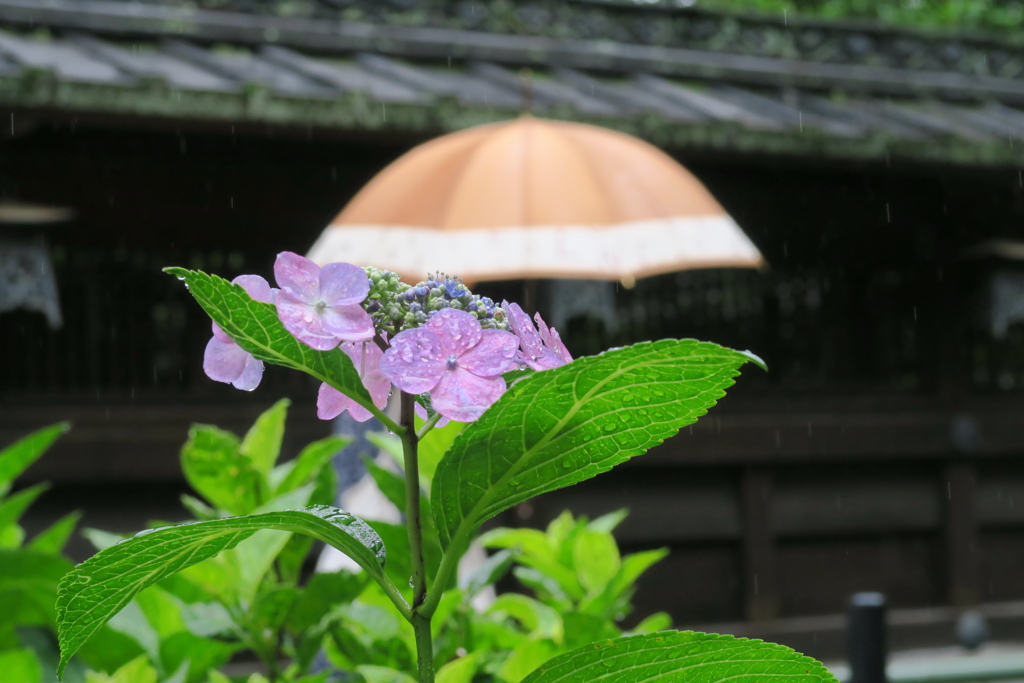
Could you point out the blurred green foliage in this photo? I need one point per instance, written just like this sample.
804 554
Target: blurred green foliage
1005 16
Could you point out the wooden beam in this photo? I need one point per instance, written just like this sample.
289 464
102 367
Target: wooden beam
961 533
760 588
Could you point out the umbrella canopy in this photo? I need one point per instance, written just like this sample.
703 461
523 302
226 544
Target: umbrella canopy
535 198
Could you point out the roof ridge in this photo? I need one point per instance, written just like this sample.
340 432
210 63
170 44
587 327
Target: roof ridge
649 25
113 18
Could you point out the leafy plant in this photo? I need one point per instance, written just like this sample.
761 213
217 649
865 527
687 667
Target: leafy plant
30 570
189 617
538 421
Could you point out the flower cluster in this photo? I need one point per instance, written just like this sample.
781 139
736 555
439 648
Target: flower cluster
395 306
435 337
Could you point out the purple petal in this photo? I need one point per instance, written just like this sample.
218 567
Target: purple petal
342 284
494 355
330 403
523 328
221 335
224 361
459 331
558 347
297 276
251 374
462 396
350 323
301 320
421 413
415 362
256 287
545 361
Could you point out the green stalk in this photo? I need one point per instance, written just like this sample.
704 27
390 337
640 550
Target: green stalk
419 620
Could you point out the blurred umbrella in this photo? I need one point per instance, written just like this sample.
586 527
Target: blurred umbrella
535 198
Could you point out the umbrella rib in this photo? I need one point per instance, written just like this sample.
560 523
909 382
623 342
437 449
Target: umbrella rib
581 151
457 183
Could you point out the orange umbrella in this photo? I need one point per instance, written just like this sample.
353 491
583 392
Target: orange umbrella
535 198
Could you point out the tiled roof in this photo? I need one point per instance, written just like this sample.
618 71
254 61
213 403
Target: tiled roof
231 65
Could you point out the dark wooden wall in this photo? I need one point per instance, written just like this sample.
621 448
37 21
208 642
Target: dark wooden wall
880 452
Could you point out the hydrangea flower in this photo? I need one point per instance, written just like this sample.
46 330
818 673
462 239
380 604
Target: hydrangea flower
366 356
226 361
320 306
454 359
540 348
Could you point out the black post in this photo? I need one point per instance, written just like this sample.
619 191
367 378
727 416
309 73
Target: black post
867 634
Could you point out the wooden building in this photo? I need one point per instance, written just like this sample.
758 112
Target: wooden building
878 169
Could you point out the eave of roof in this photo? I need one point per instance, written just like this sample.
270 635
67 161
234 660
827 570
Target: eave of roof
727 102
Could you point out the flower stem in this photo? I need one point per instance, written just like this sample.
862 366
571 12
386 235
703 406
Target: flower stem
420 621
428 425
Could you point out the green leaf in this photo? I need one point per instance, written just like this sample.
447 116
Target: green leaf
11 537
321 594
659 621
539 620
488 572
535 551
526 657
52 539
14 507
262 444
391 484
139 670
614 598
28 587
20 666
582 629
101 540
308 464
190 656
383 674
17 457
459 670
681 656
607 523
95 590
198 508
558 427
434 445
596 557
213 464
256 328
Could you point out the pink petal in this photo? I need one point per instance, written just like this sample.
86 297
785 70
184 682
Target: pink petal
251 374
366 357
343 284
256 287
462 396
301 320
459 330
493 356
330 403
415 362
297 276
522 327
350 323
224 361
